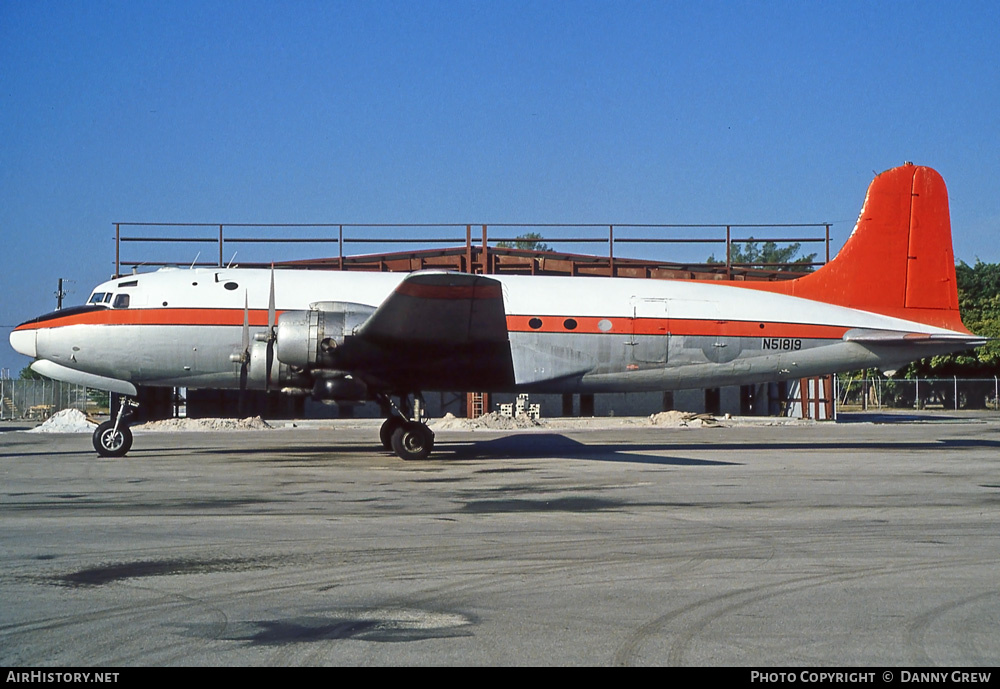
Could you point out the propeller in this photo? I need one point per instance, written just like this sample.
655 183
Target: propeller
243 358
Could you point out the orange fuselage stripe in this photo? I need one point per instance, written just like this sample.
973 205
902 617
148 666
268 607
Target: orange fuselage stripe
164 316
544 324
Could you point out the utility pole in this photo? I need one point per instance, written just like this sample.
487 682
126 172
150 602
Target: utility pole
60 293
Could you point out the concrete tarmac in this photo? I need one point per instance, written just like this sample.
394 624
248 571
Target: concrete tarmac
861 544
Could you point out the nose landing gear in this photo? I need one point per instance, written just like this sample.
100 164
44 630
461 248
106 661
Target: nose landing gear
114 438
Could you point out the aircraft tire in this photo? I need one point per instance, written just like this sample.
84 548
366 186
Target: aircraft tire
387 429
412 441
111 444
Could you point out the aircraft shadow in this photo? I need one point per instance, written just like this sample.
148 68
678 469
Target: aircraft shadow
544 445
547 445
533 446
897 417
554 445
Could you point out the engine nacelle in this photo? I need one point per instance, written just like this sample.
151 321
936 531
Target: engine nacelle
308 339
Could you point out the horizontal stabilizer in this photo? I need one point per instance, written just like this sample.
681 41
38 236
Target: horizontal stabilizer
897 337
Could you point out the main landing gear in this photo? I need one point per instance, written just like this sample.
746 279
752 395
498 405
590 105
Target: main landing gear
113 438
408 436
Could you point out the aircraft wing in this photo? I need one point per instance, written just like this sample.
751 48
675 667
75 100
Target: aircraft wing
440 308
436 331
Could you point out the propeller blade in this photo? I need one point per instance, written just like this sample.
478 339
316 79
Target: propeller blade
246 327
269 352
270 305
269 358
242 403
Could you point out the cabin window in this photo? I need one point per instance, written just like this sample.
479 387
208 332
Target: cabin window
121 301
535 323
230 286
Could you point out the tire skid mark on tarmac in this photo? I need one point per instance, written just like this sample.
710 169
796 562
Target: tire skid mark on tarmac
354 564
732 601
96 635
919 627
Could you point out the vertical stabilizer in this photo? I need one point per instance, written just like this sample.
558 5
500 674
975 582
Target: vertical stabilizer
898 261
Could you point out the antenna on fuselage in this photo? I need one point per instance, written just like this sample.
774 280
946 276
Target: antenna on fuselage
197 256
231 260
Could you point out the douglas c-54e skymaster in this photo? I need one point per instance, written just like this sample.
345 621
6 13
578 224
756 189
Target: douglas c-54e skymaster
888 297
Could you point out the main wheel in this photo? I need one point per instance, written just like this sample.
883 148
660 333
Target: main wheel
388 428
108 443
412 441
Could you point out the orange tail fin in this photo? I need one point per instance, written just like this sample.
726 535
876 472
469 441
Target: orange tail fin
898 261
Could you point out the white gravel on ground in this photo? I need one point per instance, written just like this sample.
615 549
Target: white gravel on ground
491 421
74 421
254 423
65 421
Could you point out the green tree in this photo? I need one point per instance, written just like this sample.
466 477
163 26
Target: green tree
754 254
27 373
530 241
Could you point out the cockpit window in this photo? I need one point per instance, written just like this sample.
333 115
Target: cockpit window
121 301
99 297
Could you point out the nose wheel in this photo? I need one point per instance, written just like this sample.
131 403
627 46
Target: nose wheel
112 442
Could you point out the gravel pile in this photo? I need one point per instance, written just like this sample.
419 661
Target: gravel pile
254 423
66 421
491 421
683 419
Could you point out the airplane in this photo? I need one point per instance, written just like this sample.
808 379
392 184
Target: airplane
887 298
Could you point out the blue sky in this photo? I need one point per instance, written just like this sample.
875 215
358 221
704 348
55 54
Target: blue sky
605 112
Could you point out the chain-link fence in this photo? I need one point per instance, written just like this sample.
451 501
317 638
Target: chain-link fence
40 399
877 392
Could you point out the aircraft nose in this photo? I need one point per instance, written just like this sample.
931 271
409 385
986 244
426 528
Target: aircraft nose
23 342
